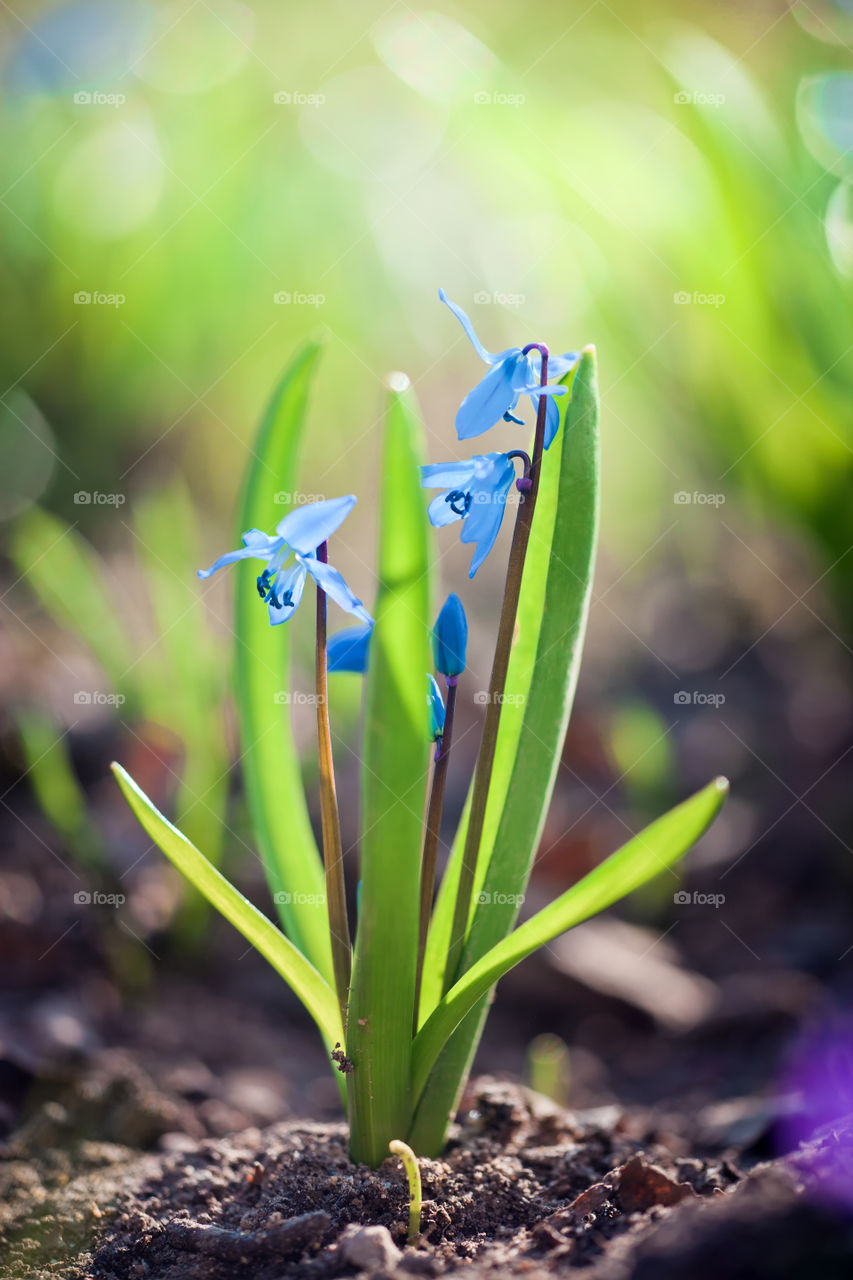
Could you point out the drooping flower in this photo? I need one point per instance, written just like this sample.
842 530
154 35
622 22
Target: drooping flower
348 650
437 713
475 492
450 638
513 373
299 535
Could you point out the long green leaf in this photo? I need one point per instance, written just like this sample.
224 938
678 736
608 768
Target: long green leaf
522 659
311 988
190 684
276 795
663 842
395 767
68 576
540 689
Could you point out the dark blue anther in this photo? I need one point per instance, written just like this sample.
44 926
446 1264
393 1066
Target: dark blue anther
459 501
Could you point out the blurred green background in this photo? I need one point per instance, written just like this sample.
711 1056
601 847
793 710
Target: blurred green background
571 177
190 189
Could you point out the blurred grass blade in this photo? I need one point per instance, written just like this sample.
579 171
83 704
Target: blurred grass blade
395 768
50 773
659 845
190 688
58 564
298 973
274 787
540 688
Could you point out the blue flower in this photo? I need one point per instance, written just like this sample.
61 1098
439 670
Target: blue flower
450 637
348 650
299 534
512 374
475 492
435 702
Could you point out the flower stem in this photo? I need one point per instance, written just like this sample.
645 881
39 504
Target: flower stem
528 488
329 817
431 836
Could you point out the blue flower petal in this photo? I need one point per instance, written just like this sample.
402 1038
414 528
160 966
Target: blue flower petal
287 589
245 553
349 649
260 541
447 475
437 712
487 512
305 528
484 355
441 512
488 402
552 421
559 366
334 586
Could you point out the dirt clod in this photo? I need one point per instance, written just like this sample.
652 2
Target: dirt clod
369 1248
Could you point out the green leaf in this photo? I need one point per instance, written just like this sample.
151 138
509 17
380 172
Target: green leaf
395 768
190 692
311 988
68 577
540 687
274 787
522 661
643 857
50 773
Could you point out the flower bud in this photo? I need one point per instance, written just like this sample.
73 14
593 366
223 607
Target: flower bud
435 702
450 638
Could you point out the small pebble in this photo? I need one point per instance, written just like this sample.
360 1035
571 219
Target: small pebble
369 1248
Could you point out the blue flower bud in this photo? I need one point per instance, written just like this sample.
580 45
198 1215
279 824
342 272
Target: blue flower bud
450 638
435 702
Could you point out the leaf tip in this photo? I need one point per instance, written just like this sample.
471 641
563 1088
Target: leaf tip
722 785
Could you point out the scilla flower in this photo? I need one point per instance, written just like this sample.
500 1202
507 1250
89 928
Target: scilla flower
513 373
475 492
299 535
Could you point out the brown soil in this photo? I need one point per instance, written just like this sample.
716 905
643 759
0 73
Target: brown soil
525 1189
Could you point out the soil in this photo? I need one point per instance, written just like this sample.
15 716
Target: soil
167 1111
525 1189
